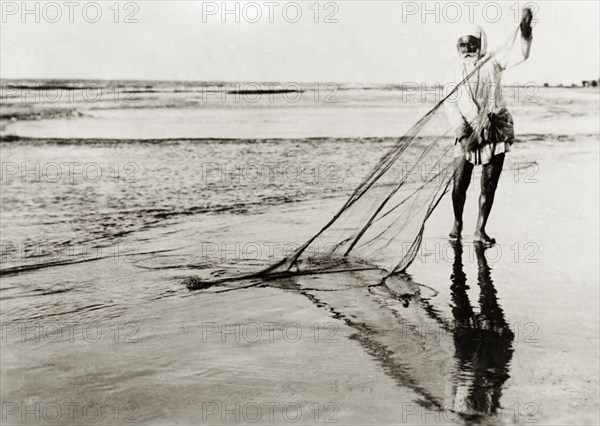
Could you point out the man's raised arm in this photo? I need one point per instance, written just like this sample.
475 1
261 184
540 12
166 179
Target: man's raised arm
520 50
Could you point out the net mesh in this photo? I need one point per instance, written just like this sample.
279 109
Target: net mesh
381 224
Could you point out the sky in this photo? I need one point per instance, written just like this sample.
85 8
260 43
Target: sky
282 41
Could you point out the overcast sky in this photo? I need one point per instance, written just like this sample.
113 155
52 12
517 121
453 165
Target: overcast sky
371 42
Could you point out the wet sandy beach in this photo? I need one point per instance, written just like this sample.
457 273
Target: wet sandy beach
507 336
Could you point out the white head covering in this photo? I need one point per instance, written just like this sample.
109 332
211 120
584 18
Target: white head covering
475 31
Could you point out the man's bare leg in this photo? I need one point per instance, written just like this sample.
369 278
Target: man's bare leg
462 177
489 182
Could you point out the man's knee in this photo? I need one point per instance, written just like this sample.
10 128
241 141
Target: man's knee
499 158
462 175
497 163
489 186
458 193
460 187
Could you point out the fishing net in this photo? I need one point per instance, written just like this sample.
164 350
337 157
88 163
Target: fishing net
381 224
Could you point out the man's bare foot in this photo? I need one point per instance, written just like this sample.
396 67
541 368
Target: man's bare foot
456 231
484 239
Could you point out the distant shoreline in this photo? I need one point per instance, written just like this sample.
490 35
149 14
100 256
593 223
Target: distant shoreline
153 85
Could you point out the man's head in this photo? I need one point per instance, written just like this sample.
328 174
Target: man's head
468 47
471 43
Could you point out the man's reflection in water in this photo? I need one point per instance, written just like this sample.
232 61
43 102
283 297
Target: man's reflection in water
483 342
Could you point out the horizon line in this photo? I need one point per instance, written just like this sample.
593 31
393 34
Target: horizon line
549 84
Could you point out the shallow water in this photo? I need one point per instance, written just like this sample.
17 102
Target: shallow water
71 198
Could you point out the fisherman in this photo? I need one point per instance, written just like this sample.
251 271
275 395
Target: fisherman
482 124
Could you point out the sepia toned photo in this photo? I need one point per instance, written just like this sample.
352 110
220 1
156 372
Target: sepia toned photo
299 212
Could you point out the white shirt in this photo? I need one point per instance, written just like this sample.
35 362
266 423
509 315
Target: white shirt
482 92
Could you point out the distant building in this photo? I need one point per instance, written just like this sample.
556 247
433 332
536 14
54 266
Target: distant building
590 83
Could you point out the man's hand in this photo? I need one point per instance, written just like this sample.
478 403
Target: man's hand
489 127
526 19
464 131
